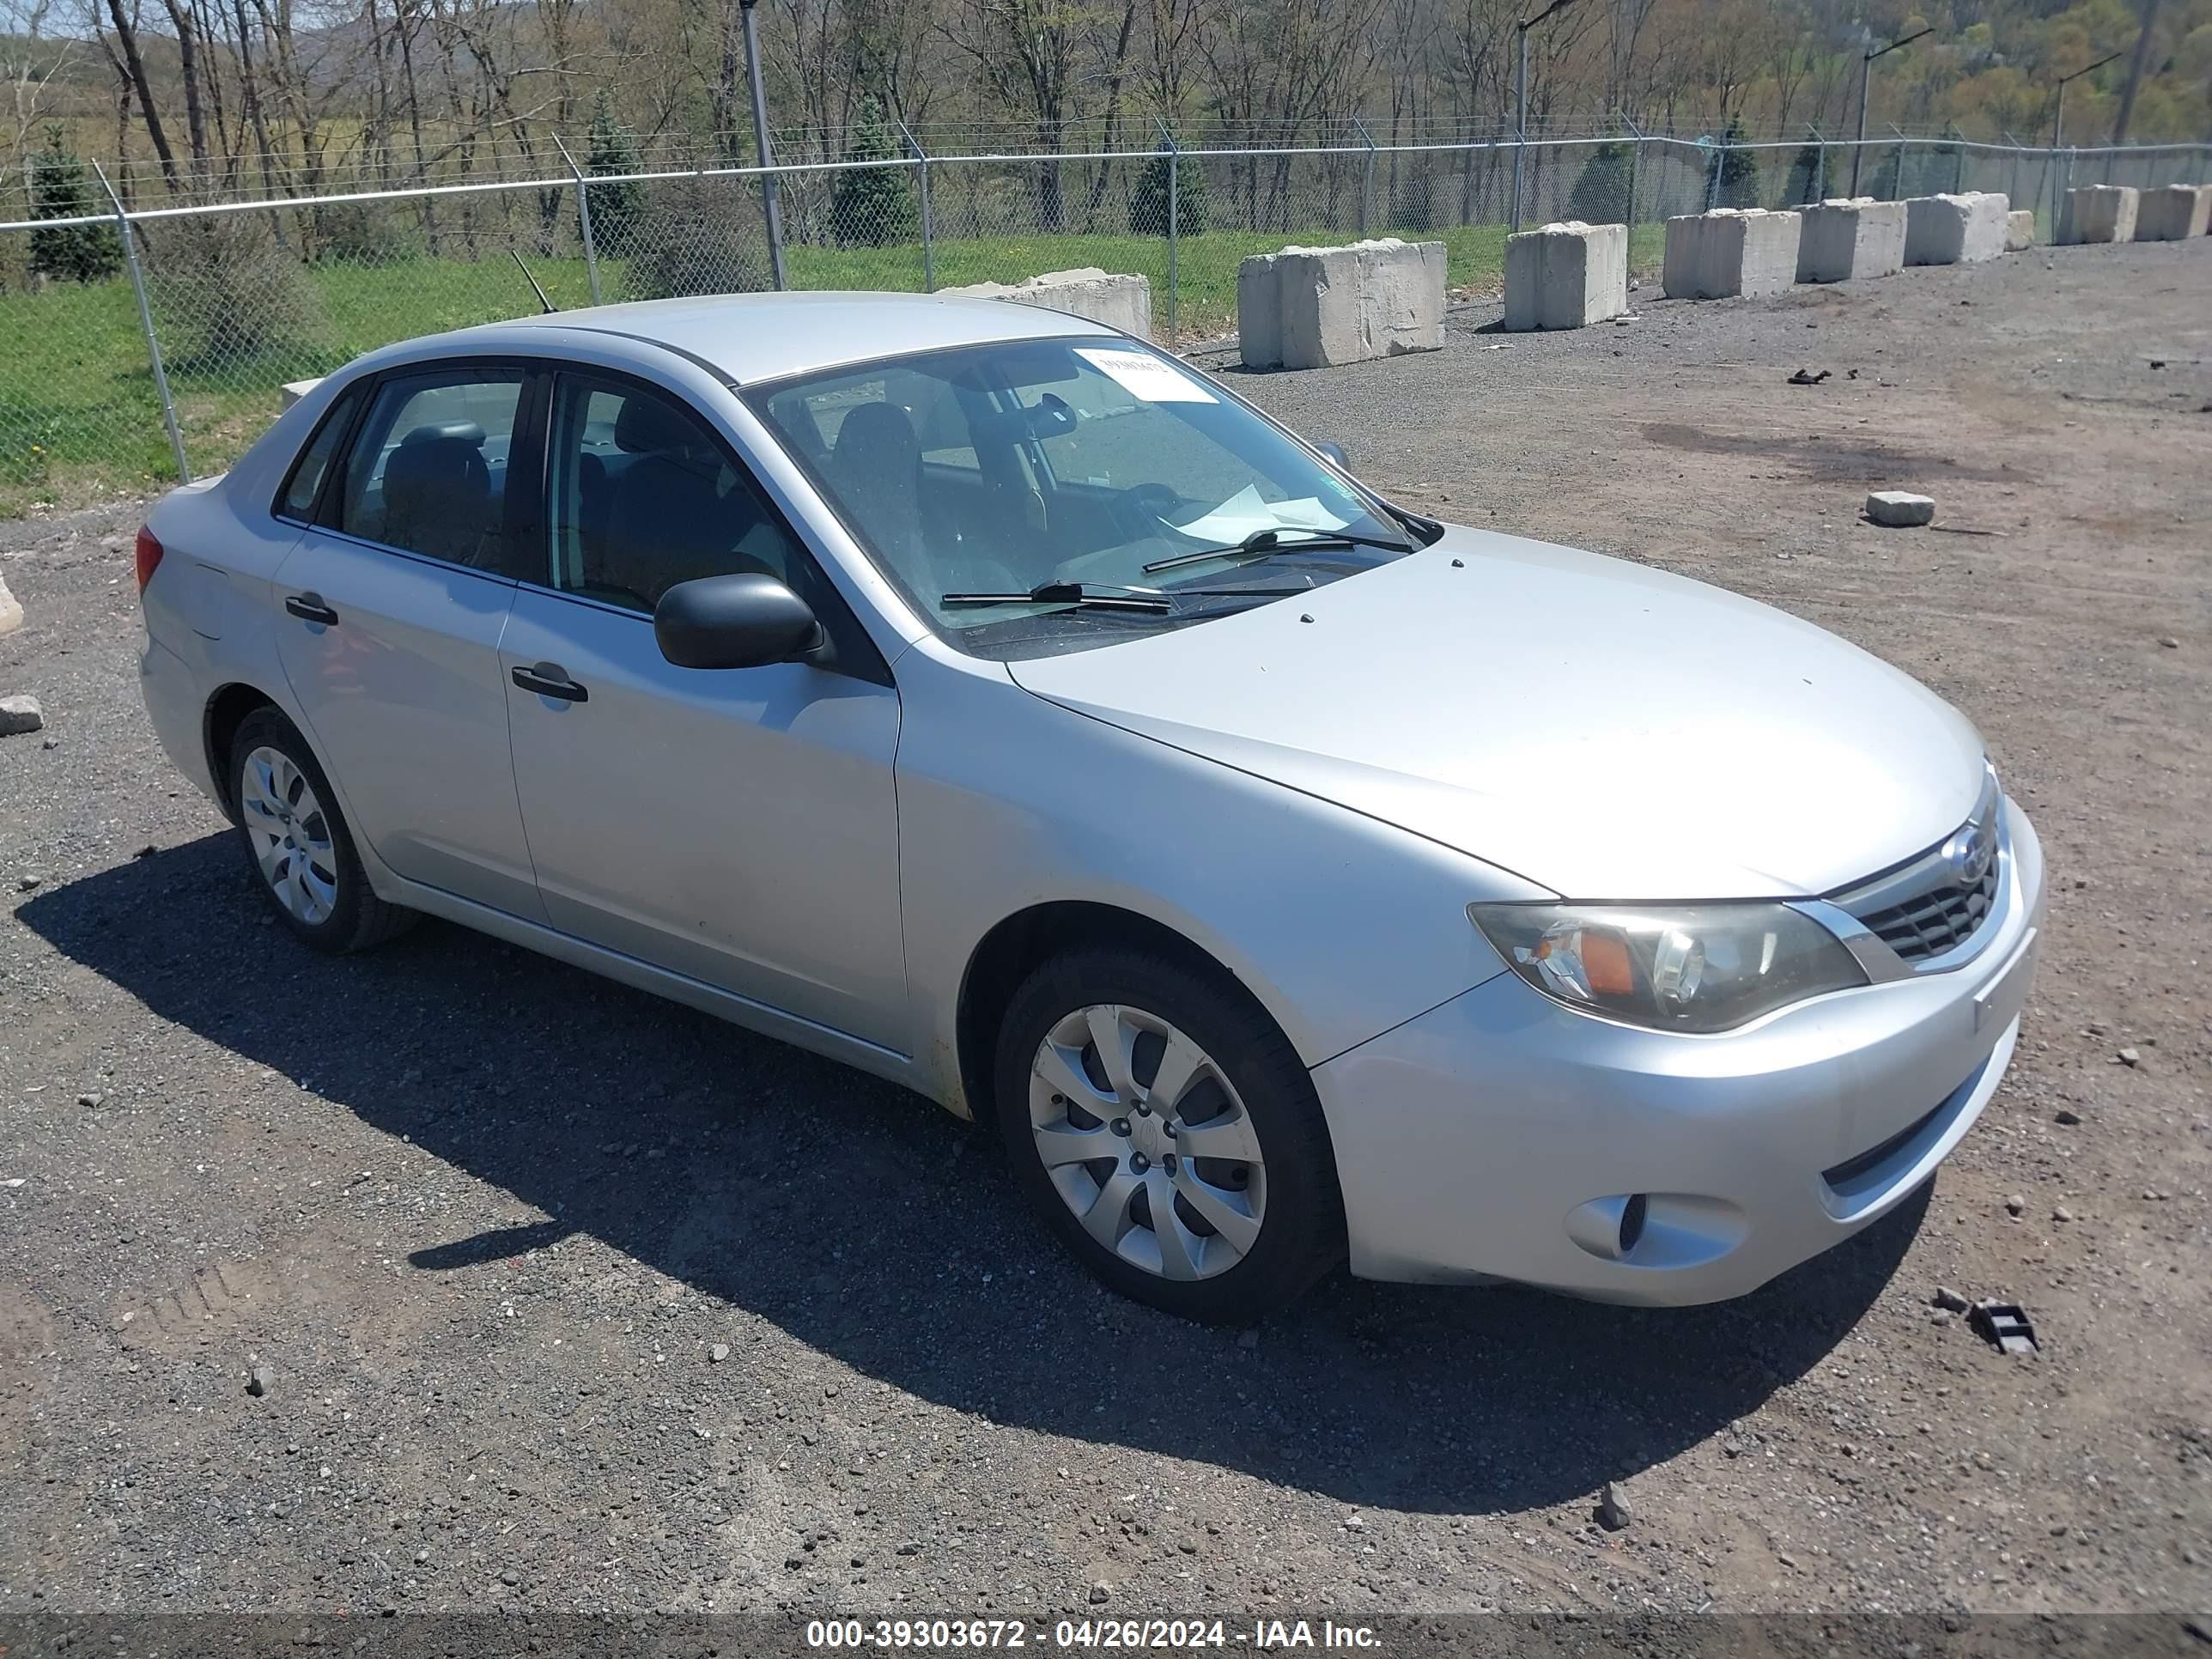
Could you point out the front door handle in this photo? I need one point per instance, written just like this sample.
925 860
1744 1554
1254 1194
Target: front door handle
309 607
550 679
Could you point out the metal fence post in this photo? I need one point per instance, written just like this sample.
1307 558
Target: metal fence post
1716 165
1635 166
1366 176
929 252
1898 191
584 217
146 322
1175 171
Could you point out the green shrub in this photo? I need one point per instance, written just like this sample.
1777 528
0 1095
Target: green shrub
1737 185
1805 183
612 149
1601 193
1148 200
872 206
688 240
231 299
61 189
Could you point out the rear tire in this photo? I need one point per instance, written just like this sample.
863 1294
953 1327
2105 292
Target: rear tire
1167 1131
297 843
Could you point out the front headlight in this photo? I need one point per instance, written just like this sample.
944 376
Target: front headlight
1676 967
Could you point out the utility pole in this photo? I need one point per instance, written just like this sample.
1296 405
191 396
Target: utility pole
1866 77
2135 73
760 142
1521 97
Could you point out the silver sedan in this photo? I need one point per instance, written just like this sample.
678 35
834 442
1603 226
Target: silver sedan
979 696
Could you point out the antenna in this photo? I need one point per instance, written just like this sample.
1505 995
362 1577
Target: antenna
548 306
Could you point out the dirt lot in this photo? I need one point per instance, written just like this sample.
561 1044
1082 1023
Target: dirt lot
485 1220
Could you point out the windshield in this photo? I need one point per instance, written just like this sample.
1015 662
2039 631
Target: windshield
980 477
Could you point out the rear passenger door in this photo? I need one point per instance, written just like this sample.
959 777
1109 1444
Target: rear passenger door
389 614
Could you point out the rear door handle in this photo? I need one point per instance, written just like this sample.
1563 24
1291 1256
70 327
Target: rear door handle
309 607
550 679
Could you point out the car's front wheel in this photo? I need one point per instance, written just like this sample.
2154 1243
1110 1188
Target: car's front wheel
1166 1129
298 843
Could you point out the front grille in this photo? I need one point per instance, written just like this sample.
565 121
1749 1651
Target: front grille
1935 920
1927 905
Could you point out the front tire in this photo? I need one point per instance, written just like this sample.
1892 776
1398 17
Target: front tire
1167 1131
297 843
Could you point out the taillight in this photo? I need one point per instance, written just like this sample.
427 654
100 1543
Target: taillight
149 554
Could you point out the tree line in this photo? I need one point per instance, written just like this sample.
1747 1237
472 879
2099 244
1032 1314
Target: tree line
206 98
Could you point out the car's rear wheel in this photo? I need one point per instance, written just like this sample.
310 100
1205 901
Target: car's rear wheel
296 841
1166 1130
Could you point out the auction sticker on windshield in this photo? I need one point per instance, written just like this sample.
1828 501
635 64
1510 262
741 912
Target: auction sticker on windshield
1143 375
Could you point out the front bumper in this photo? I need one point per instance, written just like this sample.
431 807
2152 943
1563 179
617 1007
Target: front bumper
1479 1139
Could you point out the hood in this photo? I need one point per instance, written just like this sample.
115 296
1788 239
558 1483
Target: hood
1602 729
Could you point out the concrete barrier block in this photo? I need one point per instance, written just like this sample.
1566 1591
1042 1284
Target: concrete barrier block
1313 308
1954 229
1682 276
2019 229
1120 301
11 610
292 391
1751 252
2100 213
1401 296
1565 274
1730 252
1848 238
2173 212
1259 313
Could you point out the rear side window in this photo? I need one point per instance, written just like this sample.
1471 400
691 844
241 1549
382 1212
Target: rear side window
305 484
428 473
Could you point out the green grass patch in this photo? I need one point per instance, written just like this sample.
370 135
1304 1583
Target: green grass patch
79 415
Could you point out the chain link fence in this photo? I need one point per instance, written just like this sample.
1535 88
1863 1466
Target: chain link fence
138 345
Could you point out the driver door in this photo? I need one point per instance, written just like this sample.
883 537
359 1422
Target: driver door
736 826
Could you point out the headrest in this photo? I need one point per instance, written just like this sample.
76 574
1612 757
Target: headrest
647 426
431 431
876 435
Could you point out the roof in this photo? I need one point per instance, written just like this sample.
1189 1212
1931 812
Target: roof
764 336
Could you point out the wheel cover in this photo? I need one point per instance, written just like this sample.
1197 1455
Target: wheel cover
290 835
1147 1142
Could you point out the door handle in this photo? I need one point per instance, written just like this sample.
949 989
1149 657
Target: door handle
309 607
550 679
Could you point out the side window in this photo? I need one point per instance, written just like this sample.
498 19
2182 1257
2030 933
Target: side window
304 485
644 496
428 473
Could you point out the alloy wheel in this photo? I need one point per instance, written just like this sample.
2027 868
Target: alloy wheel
1147 1142
290 835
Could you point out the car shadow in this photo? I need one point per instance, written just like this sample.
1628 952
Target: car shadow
887 1235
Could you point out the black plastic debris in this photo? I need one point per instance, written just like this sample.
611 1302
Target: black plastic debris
1806 377
2003 1326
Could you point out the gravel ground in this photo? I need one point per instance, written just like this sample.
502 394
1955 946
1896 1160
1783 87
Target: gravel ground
482 1224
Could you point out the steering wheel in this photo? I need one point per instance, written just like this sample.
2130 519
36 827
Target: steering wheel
1144 507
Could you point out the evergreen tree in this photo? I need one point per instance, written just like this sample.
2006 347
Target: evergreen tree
1738 184
615 208
872 206
1601 193
61 190
1806 184
1148 200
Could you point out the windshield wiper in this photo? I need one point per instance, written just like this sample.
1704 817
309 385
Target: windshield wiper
1270 540
1080 593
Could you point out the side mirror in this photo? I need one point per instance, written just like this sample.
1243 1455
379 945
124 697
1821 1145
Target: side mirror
1334 455
733 621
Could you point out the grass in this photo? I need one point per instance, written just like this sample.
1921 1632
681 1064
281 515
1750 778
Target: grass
79 417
